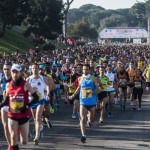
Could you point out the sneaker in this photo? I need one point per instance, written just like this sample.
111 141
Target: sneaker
36 141
52 110
89 124
49 124
134 108
100 120
74 116
10 148
139 108
83 139
109 115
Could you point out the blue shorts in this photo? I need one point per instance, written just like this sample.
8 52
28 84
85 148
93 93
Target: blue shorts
111 92
41 102
47 103
57 91
88 107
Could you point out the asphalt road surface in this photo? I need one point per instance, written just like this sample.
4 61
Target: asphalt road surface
126 130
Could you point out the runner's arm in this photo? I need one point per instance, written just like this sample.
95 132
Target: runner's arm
96 85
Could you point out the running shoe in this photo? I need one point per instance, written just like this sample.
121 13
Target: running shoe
52 110
74 116
109 115
49 124
134 108
83 139
139 108
36 141
100 120
89 124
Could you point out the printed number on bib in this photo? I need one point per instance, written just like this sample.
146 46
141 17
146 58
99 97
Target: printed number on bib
16 104
84 93
138 84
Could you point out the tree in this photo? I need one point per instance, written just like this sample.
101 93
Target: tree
13 12
66 9
83 29
45 19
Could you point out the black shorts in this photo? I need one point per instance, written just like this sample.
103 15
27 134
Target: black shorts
131 85
61 86
147 84
21 121
102 95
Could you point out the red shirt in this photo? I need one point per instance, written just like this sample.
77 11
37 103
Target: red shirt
18 97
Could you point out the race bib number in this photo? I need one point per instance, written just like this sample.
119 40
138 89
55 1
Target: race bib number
40 96
123 82
16 103
103 88
110 83
138 85
84 93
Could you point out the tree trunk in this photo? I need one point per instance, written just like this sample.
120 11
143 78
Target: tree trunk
4 28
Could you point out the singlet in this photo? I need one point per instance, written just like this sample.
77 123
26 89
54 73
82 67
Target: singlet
39 86
18 97
103 81
137 82
87 85
140 65
131 75
111 78
122 79
147 75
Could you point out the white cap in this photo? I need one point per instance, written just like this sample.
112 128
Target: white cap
16 67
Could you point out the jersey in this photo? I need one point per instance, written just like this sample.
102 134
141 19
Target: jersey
38 85
87 85
18 98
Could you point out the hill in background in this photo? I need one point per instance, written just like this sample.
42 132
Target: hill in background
14 39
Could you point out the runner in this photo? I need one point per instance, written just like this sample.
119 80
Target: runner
88 88
39 83
138 89
123 78
5 79
102 80
110 89
19 113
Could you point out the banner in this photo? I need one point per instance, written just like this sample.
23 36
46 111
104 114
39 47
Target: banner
123 33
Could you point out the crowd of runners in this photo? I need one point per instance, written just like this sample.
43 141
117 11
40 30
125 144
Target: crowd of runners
90 78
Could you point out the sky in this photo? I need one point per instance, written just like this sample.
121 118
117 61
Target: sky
107 4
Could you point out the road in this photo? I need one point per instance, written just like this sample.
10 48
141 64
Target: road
126 130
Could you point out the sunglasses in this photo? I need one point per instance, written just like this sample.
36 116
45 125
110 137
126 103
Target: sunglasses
6 69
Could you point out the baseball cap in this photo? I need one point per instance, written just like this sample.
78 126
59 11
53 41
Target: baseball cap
16 67
42 67
109 65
